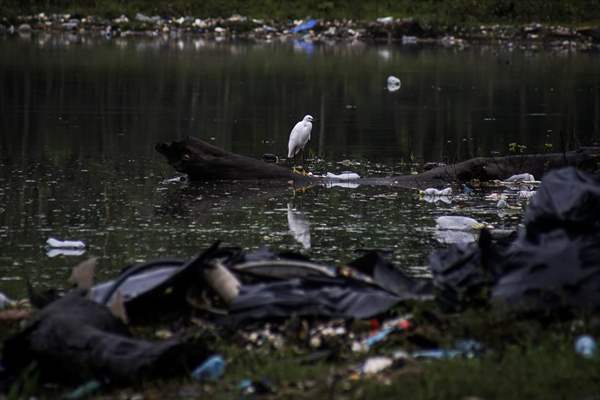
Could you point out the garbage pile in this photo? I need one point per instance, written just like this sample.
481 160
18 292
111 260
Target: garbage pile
553 265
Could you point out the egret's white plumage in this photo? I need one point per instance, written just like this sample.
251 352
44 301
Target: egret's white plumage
300 136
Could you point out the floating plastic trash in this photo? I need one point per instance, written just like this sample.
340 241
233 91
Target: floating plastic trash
502 204
65 244
451 236
211 369
586 346
521 178
458 223
305 26
344 176
436 192
393 83
409 39
437 199
65 252
5 301
525 194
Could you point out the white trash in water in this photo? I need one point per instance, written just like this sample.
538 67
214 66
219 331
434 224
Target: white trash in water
393 83
436 192
525 194
344 176
458 223
521 178
65 244
451 237
5 301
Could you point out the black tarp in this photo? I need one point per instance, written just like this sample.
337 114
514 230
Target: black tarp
75 339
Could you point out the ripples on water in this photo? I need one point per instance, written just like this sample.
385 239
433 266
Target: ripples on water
79 123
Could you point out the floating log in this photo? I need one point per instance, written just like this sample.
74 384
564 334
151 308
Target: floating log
203 161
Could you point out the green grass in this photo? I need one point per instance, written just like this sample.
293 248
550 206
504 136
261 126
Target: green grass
431 11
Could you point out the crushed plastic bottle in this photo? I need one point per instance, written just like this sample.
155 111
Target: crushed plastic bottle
211 369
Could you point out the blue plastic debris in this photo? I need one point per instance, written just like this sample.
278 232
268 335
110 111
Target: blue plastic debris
436 354
586 346
211 369
84 390
305 26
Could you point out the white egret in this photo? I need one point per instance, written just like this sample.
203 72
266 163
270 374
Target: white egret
300 136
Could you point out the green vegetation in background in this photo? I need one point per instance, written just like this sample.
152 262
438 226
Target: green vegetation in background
432 11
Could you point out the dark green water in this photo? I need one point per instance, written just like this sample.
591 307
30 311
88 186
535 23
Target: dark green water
79 120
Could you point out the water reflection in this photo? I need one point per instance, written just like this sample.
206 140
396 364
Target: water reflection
299 226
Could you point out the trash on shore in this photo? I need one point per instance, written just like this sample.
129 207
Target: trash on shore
211 369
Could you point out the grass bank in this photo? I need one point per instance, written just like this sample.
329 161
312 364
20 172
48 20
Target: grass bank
428 11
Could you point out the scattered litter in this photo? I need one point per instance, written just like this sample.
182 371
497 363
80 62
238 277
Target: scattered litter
435 192
252 387
304 26
396 325
211 369
435 354
374 365
393 83
65 244
586 346
521 178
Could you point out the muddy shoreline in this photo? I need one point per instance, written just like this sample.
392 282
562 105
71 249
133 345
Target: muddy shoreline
408 32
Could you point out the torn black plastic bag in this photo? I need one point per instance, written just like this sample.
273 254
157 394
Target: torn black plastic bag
74 339
556 271
383 273
314 297
567 199
157 290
